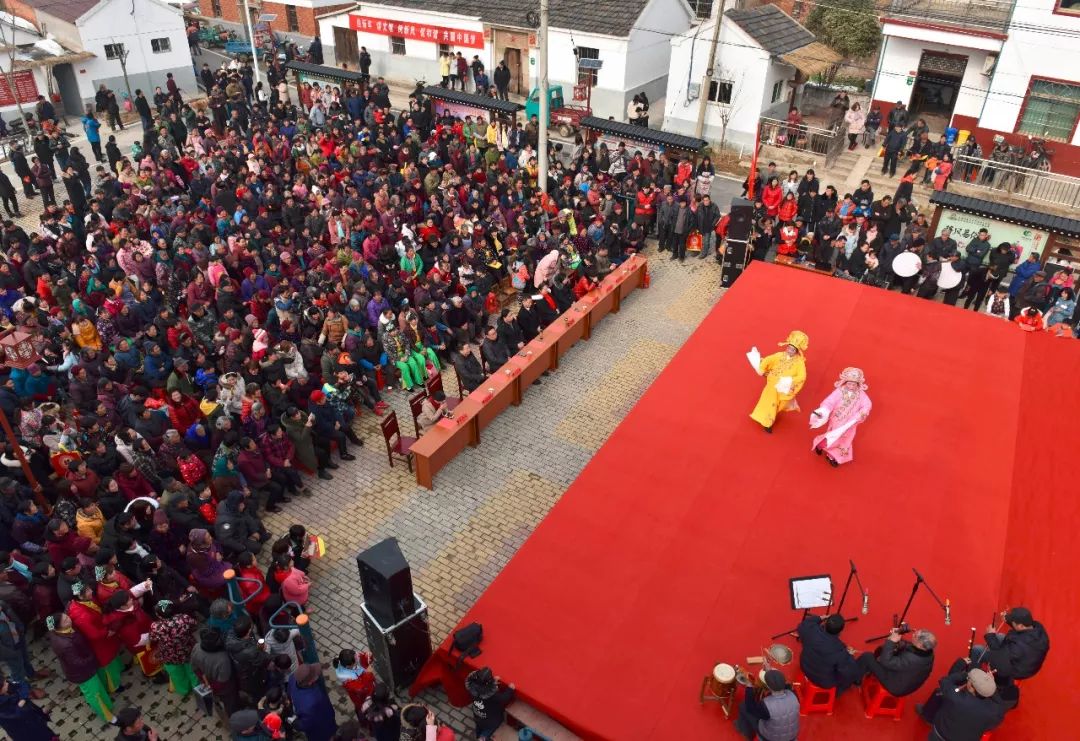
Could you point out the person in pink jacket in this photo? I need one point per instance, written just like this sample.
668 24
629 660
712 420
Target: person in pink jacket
295 585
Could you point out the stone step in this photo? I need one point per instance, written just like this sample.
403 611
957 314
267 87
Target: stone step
522 715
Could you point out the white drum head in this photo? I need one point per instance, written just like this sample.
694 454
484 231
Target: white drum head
949 278
724 673
906 264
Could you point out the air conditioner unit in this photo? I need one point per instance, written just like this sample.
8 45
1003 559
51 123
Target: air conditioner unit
989 63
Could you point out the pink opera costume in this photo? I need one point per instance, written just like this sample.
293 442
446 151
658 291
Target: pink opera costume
843 410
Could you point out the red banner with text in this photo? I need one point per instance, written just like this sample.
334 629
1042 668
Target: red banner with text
25 86
417 31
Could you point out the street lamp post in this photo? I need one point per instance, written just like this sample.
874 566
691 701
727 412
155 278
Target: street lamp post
19 352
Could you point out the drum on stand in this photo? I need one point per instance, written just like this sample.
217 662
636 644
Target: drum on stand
906 264
949 277
722 683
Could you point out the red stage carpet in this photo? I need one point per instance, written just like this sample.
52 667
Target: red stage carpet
671 552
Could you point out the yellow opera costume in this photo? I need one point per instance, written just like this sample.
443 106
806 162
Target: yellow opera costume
785 374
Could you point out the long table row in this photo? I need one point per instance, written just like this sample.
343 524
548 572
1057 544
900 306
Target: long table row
507 385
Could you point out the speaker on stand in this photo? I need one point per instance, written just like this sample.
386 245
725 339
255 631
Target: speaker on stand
737 245
395 619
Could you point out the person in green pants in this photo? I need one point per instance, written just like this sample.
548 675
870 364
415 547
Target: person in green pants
422 353
79 665
172 635
410 365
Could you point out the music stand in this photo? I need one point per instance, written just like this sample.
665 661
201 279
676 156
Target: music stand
808 592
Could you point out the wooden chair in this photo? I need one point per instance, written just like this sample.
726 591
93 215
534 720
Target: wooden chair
434 385
416 405
396 443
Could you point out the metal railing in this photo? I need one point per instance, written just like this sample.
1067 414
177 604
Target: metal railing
965 13
804 138
1037 185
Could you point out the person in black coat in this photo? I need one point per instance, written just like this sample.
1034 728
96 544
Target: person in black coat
142 105
901 667
528 319
1020 653
22 169
965 705
825 659
7 195
509 332
489 703
469 371
74 186
495 353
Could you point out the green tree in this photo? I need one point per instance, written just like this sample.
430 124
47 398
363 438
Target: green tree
850 27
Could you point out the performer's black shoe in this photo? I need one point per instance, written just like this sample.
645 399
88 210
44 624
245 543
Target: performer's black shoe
832 462
818 450
767 429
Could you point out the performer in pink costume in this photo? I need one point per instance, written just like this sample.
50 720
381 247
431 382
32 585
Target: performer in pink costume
844 410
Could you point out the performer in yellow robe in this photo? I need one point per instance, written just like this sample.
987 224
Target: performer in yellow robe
785 374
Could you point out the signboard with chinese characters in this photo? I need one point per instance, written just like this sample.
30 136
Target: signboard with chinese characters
24 86
965 227
417 31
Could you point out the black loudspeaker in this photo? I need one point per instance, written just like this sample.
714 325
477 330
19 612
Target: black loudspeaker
734 262
399 650
386 581
742 219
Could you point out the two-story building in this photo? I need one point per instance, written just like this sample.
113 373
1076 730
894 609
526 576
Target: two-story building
990 67
407 37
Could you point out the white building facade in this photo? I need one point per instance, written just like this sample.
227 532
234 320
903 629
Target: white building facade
1002 69
405 39
750 79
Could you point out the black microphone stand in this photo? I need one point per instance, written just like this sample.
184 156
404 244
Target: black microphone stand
899 621
853 573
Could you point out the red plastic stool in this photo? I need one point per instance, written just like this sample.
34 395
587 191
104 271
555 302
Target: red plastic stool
814 699
877 700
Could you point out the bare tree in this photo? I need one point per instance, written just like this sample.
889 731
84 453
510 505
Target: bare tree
725 111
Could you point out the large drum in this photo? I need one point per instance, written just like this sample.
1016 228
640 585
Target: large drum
948 277
906 264
722 682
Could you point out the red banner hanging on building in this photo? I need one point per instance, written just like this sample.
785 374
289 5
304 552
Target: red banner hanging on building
417 31
25 86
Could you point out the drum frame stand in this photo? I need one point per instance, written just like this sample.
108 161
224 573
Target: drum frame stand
726 700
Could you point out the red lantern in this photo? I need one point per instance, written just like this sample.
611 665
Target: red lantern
18 349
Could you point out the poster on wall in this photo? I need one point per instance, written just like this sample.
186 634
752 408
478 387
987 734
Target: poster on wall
25 86
632 146
460 110
417 31
965 227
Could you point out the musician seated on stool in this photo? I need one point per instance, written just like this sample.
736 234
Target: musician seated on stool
774 717
825 660
900 666
964 706
1019 654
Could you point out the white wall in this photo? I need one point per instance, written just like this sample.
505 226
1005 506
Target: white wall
740 61
1030 54
901 61
113 22
649 50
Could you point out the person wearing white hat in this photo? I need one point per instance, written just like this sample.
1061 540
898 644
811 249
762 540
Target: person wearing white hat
843 410
964 707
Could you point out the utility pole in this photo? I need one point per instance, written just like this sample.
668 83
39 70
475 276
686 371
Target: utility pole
251 40
703 93
122 55
545 113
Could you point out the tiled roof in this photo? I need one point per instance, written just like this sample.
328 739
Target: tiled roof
1004 212
643 133
65 10
471 99
776 31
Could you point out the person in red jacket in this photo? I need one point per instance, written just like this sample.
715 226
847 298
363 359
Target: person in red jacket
771 197
789 207
645 209
183 411
86 616
124 617
254 590
63 542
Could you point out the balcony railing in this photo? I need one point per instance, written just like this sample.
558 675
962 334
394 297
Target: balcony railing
1036 185
827 142
989 15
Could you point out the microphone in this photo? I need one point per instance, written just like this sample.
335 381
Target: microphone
948 613
865 602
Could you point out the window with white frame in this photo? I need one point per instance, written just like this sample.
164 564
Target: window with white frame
702 8
1051 110
397 45
777 91
445 50
114 51
160 46
720 91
